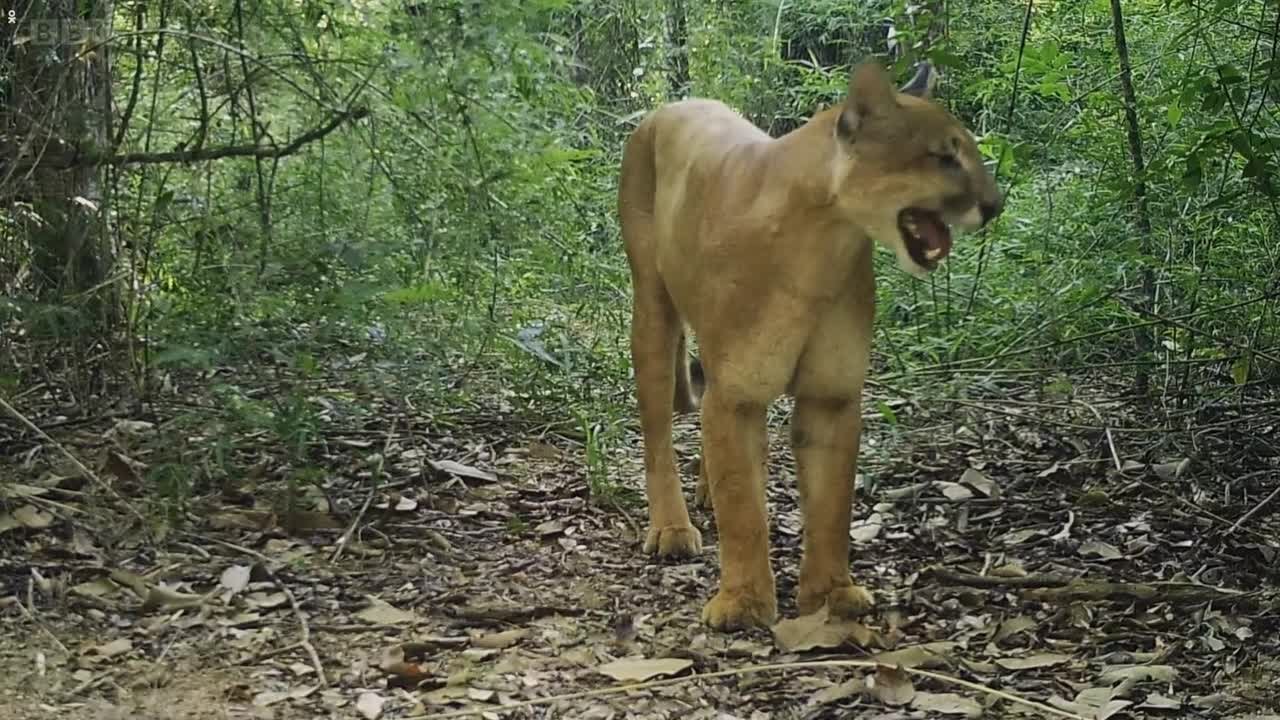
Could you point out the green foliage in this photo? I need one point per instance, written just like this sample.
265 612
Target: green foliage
466 228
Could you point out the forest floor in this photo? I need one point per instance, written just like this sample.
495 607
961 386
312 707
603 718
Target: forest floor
468 561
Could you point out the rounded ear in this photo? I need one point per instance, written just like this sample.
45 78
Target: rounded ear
871 95
922 84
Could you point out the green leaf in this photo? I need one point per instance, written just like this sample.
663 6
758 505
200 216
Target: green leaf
419 294
180 356
943 58
1240 370
887 412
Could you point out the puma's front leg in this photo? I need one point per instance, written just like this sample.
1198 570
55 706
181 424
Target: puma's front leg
702 493
824 437
734 439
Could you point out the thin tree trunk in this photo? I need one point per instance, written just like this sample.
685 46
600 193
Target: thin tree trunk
58 93
678 48
1142 216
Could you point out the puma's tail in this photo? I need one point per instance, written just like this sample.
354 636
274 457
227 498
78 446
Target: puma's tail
690 381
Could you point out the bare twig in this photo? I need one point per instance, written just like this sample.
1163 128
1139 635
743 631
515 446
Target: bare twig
36 621
751 669
1111 442
1244 518
91 475
304 630
368 500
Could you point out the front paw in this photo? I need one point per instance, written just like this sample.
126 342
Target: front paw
739 609
843 601
673 541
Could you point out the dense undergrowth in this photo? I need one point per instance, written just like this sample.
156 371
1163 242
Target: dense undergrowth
459 244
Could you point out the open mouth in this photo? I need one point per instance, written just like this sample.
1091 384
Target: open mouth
927 237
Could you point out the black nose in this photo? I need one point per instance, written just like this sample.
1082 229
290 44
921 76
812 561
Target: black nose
991 209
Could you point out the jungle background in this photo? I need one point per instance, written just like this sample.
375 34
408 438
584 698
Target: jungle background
307 303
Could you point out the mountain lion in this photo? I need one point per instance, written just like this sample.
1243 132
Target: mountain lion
762 247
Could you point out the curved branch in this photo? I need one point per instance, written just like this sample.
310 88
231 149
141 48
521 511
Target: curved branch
81 159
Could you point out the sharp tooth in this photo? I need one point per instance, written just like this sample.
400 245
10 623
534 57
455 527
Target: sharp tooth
932 253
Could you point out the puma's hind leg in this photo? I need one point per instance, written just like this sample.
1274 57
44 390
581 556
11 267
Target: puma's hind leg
655 340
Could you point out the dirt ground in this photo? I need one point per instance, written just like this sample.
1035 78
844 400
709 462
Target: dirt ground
465 563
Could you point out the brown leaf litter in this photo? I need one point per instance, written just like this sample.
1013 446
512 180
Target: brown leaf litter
428 565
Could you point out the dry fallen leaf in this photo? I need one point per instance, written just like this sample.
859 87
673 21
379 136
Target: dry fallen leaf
1009 570
1100 549
1138 673
1018 537
269 698
1032 661
980 482
382 613
99 588
267 601
934 654
466 471
1012 627
815 630
836 693
302 521
169 599
1156 701
947 704
549 528
1171 470
235 578
499 640
1095 703
641 669
369 705
31 517
891 686
954 491
109 650
868 529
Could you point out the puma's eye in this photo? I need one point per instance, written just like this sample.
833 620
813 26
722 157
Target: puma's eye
947 160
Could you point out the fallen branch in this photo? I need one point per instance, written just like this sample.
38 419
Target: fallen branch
751 669
949 577
498 614
79 158
1171 592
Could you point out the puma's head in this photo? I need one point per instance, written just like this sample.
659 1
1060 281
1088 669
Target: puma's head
907 171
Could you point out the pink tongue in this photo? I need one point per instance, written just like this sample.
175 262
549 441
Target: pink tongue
936 236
